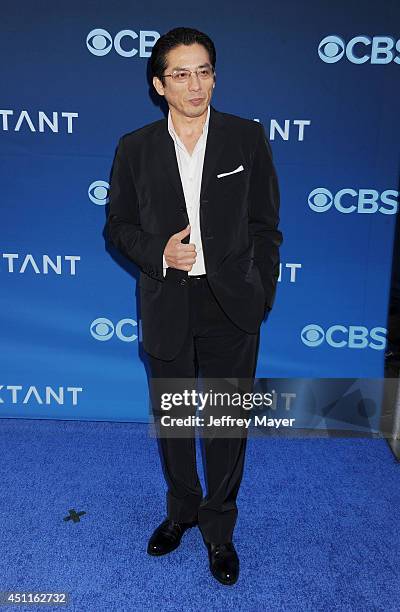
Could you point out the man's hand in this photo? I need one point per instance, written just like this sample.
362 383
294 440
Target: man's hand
178 255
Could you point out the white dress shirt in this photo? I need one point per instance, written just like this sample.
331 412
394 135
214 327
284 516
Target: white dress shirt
191 171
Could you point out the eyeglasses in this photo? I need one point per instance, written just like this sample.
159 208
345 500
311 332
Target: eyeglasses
181 76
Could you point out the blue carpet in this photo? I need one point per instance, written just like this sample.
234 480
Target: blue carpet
318 527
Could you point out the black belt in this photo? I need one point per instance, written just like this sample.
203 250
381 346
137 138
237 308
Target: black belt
199 277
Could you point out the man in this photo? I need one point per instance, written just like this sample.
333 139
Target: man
194 202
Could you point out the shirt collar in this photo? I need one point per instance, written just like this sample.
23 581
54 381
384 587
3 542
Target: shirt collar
174 135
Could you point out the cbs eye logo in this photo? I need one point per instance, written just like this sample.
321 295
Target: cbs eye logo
312 335
320 200
103 329
98 192
100 42
331 49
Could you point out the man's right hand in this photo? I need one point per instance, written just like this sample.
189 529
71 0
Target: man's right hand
178 255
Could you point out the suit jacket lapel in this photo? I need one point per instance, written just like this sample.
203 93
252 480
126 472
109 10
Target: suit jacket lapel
214 146
166 148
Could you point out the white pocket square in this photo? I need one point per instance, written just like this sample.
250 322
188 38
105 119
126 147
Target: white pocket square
238 169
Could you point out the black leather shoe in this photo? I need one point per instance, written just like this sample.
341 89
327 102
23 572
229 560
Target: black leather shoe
167 537
224 562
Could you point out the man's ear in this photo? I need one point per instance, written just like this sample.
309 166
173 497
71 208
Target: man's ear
158 86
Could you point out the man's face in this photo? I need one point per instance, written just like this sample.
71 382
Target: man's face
191 98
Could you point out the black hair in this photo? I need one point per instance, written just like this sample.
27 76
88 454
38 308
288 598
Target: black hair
174 38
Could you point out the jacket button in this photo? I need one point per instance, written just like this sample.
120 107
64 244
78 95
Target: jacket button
183 281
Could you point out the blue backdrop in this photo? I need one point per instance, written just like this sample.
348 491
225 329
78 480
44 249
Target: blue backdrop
325 84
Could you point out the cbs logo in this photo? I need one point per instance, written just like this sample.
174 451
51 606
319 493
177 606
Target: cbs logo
350 200
100 42
381 49
98 192
103 329
340 336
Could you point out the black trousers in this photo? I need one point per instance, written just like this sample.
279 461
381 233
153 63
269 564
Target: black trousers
214 348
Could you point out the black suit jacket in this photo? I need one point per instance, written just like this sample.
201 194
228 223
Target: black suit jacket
239 216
